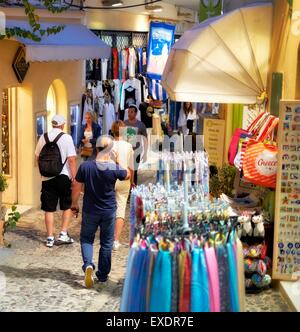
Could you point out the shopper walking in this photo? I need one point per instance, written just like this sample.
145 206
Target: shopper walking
56 156
89 134
136 133
123 155
187 117
99 207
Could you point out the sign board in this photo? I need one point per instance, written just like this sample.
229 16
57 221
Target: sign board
286 256
161 40
210 8
20 65
214 138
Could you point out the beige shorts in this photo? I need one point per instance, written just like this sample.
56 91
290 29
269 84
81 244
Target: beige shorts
122 192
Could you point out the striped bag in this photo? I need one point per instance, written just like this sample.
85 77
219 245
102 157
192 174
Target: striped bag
239 159
260 159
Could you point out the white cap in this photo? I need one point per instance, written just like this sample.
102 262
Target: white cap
58 120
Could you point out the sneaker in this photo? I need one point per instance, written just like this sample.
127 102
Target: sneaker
50 242
64 239
88 277
116 245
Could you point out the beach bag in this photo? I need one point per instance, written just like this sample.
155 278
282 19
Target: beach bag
260 159
242 134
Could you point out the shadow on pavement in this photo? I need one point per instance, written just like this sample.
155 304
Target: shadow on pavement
65 276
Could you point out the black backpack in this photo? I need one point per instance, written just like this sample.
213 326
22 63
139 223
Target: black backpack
50 163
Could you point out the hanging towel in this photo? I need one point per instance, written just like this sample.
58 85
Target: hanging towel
126 294
184 305
233 281
224 278
152 258
175 282
161 291
213 277
140 281
241 275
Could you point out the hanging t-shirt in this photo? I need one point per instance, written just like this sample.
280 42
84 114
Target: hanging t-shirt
97 69
144 60
146 116
144 87
131 93
115 61
120 65
124 64
131 62
140 57
108 118
104 66
117 94
156 90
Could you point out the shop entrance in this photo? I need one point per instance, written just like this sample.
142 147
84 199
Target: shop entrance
10 144
57 102
51 106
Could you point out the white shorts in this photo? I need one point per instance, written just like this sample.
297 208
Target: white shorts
122 189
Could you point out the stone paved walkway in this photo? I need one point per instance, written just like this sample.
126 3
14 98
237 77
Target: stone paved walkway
50 279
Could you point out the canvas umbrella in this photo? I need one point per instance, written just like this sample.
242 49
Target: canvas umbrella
224 59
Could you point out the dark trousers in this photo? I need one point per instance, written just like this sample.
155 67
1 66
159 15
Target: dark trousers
89 226
135 176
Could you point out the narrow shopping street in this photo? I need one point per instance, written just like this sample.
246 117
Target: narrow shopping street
50 279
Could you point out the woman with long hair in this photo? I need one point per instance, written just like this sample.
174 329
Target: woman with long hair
187 117
90 131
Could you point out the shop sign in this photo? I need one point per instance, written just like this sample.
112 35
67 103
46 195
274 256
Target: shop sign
20 65
214 137
210 8
161 40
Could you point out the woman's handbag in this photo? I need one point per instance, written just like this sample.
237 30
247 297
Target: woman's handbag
86 151
260 159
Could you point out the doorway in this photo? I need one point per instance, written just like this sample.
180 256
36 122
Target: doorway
57 103
51 106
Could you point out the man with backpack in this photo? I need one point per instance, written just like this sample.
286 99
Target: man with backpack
56 156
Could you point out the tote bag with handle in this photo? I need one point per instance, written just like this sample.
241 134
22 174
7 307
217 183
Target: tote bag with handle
260 159
243 133
260 128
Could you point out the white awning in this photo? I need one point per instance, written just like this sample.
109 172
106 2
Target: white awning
74 42
224 59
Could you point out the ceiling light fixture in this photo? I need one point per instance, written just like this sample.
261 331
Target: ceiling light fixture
155 8
112 3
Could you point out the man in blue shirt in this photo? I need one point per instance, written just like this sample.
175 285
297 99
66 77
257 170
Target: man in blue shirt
99 207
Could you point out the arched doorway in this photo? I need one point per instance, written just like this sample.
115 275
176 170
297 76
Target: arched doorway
51 105
57 102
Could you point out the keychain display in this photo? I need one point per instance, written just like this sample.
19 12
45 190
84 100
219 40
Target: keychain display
287 227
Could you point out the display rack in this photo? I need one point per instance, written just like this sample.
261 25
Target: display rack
286 259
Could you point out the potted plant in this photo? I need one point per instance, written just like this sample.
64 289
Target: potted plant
12 219
222 181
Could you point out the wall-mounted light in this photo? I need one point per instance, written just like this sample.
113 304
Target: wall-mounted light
112 3
154 8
